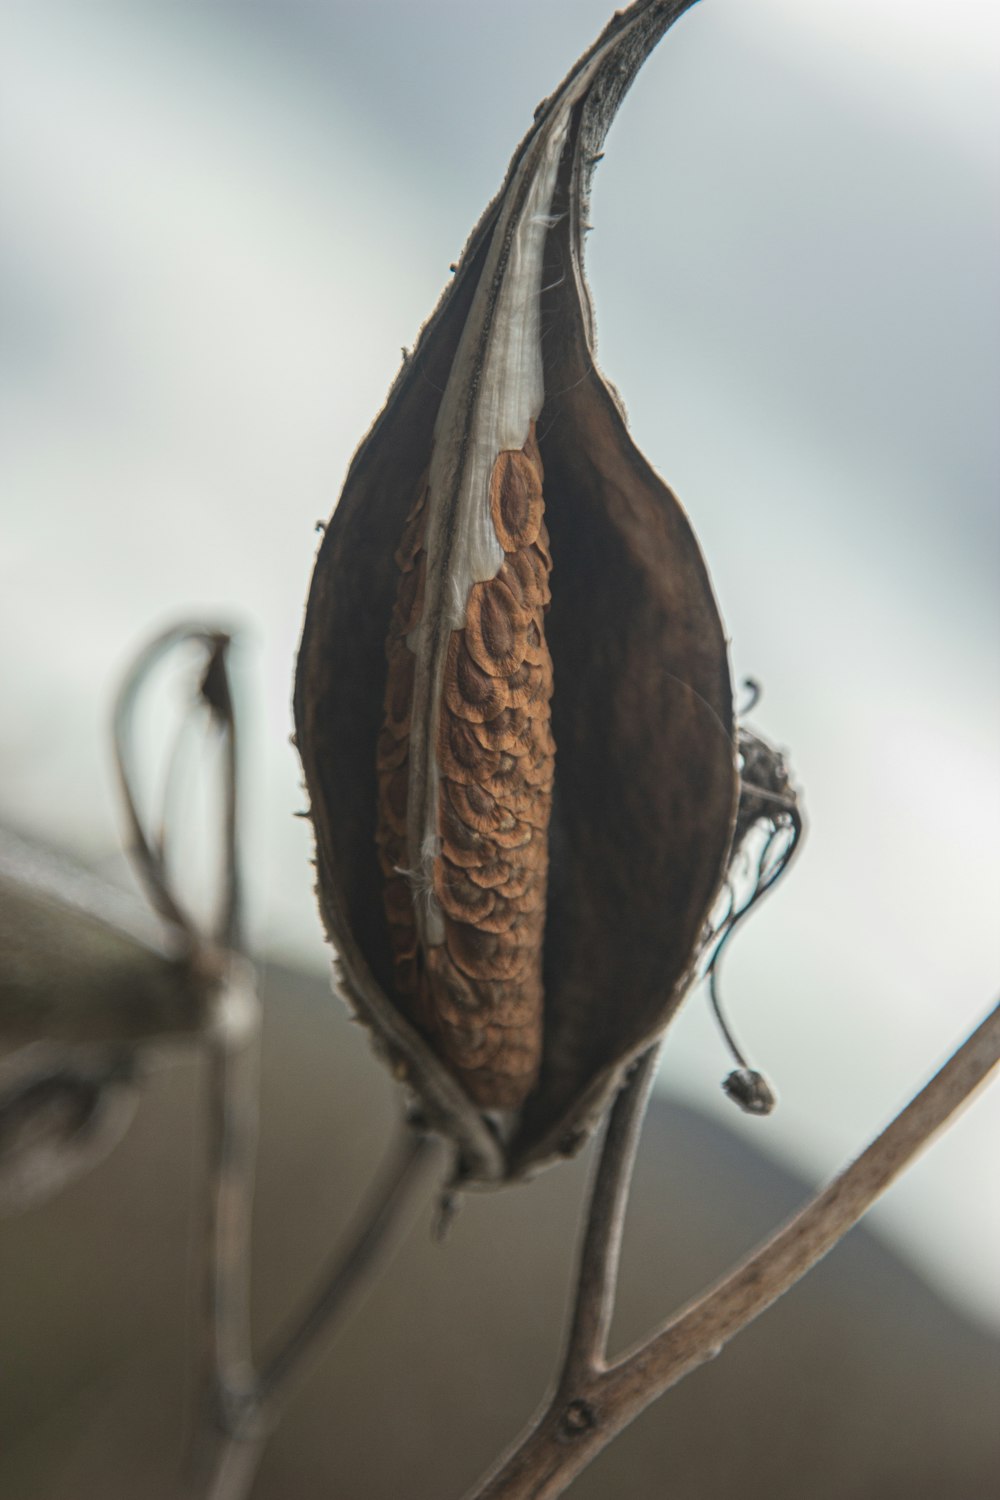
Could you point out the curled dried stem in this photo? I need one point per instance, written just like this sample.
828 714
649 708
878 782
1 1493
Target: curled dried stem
147 838
581 1420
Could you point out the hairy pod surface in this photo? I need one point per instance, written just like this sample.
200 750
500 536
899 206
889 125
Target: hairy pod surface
513 702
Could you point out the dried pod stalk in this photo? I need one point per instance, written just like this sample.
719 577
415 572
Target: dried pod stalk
513 700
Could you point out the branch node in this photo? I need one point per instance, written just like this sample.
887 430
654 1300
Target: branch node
578 1418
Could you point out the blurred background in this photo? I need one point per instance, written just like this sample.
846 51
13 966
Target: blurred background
220 224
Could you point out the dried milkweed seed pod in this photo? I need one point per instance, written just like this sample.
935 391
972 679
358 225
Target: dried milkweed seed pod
513 700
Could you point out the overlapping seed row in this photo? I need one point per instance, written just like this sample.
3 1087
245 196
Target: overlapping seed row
478 995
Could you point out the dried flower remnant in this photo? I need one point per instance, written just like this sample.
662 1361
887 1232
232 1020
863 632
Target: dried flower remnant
513 701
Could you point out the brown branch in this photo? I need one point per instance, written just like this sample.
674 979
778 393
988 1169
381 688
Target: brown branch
239 1405
586 1344
577 1424
234 1064
347 1272
251 1405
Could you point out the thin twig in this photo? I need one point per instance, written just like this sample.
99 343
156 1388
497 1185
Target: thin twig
233 1032
354 1265
586 1345
216 694
698 1331
253 1409
234 1061
215 960
576 1425
239 1406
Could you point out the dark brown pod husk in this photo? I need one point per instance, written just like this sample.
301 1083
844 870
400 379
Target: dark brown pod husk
639 808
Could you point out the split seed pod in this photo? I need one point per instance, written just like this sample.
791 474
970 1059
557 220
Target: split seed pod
513 701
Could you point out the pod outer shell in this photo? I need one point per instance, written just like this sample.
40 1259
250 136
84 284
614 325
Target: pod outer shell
646 779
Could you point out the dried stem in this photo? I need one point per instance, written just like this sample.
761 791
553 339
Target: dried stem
578 1423
586 1345
354 1265
248 1409
234 1063
239 1405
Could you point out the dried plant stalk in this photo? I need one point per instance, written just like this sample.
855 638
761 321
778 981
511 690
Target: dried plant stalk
595 1399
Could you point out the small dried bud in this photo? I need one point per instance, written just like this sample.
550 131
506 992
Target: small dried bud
513 700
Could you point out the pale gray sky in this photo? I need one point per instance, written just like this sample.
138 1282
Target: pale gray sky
221 223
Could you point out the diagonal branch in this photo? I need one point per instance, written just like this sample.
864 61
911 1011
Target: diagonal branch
251 1404
578 1423
698 1331
350 1268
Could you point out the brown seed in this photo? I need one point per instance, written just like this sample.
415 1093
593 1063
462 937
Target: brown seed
501 917
471 1046
529 870
459 896
539 773
529 686
525 803
450 985
464 846
495 628
470 692
487 955
493 874
535 649
472 806
460 754
515 500
511 731
512 833
530 569
510 915
513 1004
